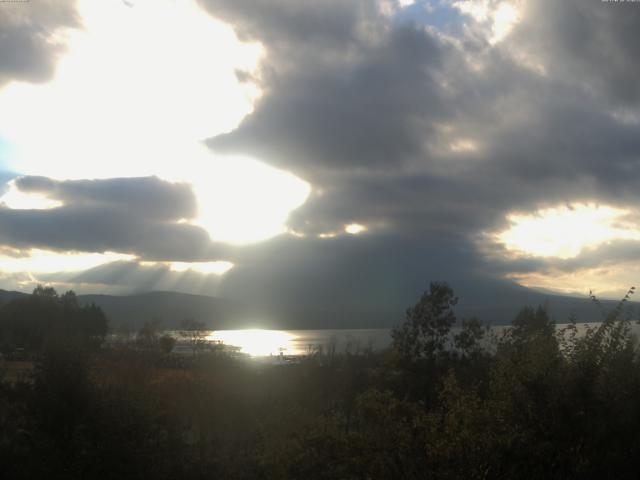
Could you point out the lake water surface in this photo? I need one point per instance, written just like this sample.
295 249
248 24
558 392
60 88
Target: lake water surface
257 343
265 343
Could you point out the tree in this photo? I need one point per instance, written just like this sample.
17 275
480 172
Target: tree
147 336
167 342
425 332
468 341
45 293
194 332
43 316
69 299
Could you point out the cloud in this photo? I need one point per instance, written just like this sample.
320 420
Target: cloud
108 114
31 38
366 272
374 121
141 216
116 278
285 25
592 43
426 139
145 196
345 88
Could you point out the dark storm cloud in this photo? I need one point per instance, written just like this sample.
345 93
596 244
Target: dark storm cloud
132 215
97 229
344 89
405 205
369 108
372 114
378 272
502 100
589 41
364 280
28 47
393 102
296 27
146 196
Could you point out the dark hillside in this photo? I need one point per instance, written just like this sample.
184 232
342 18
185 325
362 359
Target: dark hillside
495 304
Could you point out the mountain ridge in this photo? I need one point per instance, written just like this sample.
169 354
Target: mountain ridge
129 312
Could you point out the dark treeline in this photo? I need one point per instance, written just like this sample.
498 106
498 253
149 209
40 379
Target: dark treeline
44 317
530 402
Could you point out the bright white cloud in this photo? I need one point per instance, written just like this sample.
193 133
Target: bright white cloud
498 18
138 90
563 232
478 10
504 19
38 261
217 268
610 281
129 96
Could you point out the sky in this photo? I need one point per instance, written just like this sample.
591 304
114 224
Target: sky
335 152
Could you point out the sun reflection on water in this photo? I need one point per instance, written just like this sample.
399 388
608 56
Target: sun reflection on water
257 342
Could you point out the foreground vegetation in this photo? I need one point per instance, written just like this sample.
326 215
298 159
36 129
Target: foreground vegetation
532 402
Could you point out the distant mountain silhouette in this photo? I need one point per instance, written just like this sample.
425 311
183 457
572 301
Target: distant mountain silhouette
496 306
498 303
7 296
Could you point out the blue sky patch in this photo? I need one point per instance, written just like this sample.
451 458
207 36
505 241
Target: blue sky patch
435 13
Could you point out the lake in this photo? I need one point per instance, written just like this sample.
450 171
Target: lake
265 343
256 342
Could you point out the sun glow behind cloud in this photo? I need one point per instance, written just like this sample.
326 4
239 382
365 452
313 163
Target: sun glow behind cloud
560 234
251 205
500 18
129 98
24 269
18 200
563 232
126 98
217 268
505 18
610 281
38 261
463 145
354 228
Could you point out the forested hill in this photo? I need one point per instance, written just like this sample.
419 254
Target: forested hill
170 308
7 296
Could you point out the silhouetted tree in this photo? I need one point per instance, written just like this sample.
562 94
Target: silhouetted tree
32 321
167 342
468 341
194 332
147 336
425 332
